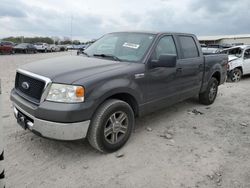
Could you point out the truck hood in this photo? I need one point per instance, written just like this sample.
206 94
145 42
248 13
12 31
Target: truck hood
232 58
68 69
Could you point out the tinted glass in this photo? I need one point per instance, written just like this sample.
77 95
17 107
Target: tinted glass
189 47
165 46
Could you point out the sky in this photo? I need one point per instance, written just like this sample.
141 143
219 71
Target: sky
90 19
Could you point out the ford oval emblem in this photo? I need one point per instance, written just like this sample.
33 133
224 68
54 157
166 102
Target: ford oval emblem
25 85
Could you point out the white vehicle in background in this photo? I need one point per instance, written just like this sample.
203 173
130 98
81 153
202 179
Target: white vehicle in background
70 47
208 50
2 183
54 48
239 62
42 47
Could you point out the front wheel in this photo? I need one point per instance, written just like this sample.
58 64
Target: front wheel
209 96
235 75
111 126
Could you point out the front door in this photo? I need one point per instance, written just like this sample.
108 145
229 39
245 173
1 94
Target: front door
161 81
246 62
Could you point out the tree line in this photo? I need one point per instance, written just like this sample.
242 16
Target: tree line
48 40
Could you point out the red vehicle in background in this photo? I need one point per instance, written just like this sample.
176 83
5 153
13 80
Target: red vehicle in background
6 47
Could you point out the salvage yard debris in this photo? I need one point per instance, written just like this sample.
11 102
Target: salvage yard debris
243 124
167 134
149 129
195 112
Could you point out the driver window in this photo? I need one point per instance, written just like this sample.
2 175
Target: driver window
247 54
166 45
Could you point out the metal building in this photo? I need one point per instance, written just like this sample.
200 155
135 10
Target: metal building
225 39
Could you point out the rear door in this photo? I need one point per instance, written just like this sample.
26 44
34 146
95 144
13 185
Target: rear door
246 62
190 67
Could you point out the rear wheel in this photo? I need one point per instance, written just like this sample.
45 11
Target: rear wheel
111 126
236 75
209 96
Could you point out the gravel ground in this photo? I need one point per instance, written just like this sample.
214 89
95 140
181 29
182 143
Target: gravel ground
175 147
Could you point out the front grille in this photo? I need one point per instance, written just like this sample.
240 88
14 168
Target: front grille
35 89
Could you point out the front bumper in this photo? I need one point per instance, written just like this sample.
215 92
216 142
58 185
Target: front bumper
53 130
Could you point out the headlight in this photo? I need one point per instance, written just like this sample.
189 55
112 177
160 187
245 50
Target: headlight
66 93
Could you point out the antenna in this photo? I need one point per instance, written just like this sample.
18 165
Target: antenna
71 31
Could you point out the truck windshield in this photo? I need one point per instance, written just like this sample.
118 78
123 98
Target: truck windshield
122 46
234 51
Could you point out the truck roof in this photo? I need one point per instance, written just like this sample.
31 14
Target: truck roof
240 46
153 32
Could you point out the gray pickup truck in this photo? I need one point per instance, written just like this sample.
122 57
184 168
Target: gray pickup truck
121 76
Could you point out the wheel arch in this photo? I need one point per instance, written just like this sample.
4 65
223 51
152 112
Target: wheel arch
217 75
125 96
239 67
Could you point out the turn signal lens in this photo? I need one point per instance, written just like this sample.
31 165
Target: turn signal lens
80 91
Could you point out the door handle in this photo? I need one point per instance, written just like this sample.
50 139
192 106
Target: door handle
179 70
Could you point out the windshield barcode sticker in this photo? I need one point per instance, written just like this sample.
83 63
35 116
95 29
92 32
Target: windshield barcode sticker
131 45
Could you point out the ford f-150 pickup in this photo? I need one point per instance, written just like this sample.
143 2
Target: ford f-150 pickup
121 76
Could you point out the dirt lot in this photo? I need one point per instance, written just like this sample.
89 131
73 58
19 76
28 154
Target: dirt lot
207 149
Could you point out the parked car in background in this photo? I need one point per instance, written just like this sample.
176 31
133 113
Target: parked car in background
214 48
6 47
121 76
70 47
25 48
2 175
239 62
81 49
43 47
63 47
208 50
54 48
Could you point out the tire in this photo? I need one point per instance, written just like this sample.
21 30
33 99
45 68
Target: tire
118 132
235 75
208 97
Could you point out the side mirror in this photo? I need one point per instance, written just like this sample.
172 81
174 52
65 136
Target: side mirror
165 60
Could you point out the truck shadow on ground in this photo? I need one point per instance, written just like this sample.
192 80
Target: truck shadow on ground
246 77
83 148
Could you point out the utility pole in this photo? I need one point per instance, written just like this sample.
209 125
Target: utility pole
71 32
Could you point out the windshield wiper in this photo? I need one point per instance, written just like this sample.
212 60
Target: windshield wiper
108 56
84 53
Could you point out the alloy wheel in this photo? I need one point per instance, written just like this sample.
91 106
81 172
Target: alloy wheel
116 127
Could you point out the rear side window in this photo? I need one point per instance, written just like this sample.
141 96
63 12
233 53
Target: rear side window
189 47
